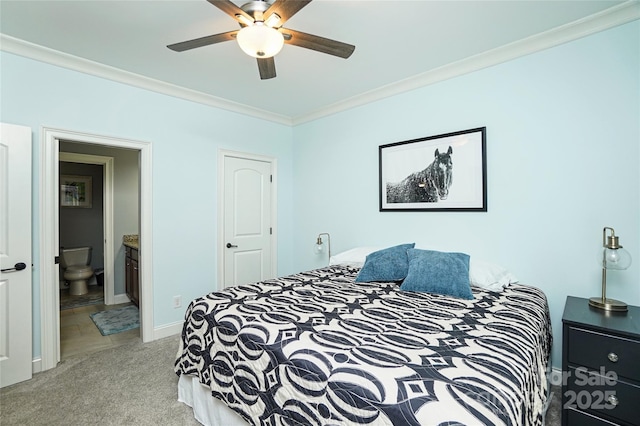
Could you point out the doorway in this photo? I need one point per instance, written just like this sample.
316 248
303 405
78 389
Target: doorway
91 224
99 224
49 240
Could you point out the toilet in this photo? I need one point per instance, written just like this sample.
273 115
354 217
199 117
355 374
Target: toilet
77 269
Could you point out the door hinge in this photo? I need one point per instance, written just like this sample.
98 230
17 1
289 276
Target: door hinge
270 178
56 260
270 231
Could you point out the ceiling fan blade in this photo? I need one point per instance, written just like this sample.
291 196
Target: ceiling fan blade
267 68
317 43
230 9
203 41
285 9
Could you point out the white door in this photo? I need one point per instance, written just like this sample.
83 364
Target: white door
247 221
15 254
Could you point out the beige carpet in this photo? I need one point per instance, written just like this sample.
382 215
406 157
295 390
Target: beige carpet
133 384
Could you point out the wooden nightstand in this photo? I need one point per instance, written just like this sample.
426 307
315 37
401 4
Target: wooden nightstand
601 365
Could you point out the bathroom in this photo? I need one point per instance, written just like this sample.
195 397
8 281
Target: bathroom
91 221
81 225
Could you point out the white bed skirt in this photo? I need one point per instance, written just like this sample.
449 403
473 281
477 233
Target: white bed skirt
206 409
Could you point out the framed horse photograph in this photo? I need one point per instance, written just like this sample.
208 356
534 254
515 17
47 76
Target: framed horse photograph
437 173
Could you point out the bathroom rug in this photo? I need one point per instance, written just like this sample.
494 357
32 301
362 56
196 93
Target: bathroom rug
116 320
72 302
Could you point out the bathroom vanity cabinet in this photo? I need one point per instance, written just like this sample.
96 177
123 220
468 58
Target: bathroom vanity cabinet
132 285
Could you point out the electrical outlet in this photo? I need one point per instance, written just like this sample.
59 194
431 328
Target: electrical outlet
177 301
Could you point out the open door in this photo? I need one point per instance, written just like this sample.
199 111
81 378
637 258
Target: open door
15 255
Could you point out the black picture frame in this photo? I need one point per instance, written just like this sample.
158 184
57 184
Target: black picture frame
445 172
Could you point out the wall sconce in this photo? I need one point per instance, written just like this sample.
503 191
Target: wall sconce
613 257
319 248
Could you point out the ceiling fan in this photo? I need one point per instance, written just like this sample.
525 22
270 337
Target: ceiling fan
262 35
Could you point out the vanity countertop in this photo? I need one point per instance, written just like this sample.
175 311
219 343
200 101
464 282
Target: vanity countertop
131 241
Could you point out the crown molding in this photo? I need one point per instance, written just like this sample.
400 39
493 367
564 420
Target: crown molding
75 63
617 15
609 18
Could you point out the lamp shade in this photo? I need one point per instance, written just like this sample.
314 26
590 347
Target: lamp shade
616 258
260 41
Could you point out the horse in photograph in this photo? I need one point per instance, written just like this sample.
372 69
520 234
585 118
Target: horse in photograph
427 186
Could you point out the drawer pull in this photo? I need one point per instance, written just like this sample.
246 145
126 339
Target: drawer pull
613 400
612 357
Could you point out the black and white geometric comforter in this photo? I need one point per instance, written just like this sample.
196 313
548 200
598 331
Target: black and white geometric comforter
316 348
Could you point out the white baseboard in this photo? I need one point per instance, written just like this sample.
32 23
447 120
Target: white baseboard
121 298
36 365
167 330
555 377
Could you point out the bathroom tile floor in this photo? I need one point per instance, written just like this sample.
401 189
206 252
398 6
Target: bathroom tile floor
79 335
95 296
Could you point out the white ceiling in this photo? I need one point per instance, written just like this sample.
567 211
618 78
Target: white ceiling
399 45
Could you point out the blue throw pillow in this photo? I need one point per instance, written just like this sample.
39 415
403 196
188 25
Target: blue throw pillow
390 264
437 272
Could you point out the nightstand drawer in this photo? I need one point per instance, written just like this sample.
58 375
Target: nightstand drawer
579 418
595 350
606 397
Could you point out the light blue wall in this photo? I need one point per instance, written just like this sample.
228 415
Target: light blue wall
186 137
562 124
563 136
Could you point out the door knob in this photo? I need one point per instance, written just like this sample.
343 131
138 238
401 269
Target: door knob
229 245
17 267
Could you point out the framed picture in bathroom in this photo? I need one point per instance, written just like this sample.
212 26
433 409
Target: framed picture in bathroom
75 191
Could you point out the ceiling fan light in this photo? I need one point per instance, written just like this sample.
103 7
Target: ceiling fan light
272 20
260 41
244 19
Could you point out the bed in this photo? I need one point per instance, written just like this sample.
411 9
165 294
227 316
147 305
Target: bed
321 348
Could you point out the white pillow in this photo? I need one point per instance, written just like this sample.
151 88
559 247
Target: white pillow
354 257
488 275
